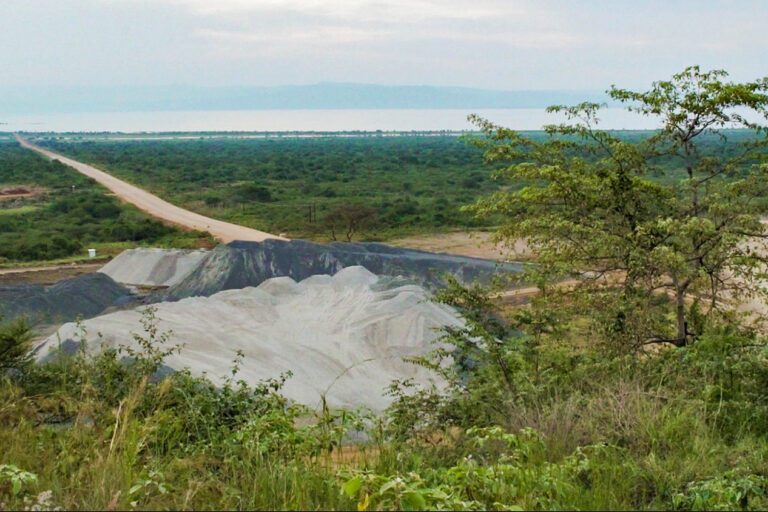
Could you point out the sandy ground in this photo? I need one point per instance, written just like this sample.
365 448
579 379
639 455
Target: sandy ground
475 244
224 231
478 244
7 193
153 267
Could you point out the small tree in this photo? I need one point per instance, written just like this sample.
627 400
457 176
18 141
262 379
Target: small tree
15 339
588 208
349 218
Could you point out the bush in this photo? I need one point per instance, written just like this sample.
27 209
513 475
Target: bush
248 192
15 338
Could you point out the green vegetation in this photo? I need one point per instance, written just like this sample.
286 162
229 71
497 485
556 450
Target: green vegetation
629 238
301 186
547 425
295 186
70 213
21 210
552 405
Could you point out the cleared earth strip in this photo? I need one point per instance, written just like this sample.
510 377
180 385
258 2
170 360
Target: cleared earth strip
153 205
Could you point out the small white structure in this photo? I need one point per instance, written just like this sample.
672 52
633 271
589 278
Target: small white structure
91 253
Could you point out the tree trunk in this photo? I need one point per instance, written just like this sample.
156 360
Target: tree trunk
682 324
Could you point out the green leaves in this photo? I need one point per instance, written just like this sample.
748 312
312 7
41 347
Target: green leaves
414 501
352 486
15 338
731 491
402 492
498 471
583 199
16 477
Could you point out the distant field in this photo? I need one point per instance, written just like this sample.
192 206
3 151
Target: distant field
122 136
59 222
295 183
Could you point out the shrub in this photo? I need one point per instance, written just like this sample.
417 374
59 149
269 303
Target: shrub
15 338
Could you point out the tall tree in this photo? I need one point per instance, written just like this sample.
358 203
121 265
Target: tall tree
350 218
585 203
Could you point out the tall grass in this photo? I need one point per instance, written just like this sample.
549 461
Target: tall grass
574 428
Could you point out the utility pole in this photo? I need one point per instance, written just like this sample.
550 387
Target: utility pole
312 212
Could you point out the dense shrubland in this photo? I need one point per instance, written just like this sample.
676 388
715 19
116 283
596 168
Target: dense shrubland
292 185
73 213
297 186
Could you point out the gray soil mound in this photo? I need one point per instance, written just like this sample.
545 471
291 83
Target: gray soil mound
86 296
234 266
344 336
153 267
242 264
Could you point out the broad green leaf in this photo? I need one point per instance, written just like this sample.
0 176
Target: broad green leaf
352 486
413 501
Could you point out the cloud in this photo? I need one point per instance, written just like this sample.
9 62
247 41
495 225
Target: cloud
295 24
401 11
322 35
497 43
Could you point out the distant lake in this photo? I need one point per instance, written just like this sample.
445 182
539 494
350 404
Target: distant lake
299 120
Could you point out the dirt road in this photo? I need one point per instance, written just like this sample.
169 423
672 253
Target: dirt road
475 244
153 205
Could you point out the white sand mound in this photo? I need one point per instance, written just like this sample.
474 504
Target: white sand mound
153 267
343 336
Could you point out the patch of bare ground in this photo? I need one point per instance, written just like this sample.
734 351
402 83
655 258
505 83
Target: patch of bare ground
18 191
48 274
153 205
350 456
475 244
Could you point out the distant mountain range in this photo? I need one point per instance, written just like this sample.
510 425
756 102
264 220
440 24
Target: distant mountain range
49 99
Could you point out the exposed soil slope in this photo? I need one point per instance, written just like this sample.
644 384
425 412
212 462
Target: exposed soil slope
86 296
153 267
242 264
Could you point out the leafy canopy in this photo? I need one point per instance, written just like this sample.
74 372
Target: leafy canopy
590 209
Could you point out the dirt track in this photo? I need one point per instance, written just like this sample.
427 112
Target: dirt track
153 205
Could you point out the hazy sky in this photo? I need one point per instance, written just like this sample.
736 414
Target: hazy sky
499 44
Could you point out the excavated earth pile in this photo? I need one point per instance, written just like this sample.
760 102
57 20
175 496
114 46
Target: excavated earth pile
153 267
86 296
241 264
343 337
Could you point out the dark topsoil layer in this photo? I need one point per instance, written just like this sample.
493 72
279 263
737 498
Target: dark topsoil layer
238 265
241 264
86 296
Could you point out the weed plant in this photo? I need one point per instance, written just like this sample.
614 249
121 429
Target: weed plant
526 422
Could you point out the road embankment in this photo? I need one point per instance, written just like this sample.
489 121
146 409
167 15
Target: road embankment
224 231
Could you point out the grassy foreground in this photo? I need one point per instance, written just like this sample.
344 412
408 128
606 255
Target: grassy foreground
558 425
